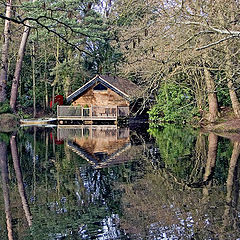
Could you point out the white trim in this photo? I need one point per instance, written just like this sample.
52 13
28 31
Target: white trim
82 86
98 76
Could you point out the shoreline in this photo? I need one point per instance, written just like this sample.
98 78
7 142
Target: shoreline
9 122
227 126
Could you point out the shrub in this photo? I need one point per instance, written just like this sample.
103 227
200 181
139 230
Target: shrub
5 107
174 103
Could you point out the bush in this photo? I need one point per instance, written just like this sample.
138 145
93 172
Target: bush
5 107
174 104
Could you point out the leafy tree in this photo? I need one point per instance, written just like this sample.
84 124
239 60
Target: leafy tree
176 149
175 103
81 49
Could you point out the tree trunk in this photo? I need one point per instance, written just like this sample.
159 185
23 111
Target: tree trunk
200 157
230 52
231 179
19 177
211 162
67 81
212 154
232 171
57 70
5 188
230 83
4 58
200 90
34 162
18 68
212 96
34 80
45 79
234 98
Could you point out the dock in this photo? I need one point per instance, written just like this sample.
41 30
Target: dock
38 122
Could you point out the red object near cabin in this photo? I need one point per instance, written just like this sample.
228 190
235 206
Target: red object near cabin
58 99
57 142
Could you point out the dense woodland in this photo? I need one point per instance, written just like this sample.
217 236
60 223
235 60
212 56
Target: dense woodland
184 54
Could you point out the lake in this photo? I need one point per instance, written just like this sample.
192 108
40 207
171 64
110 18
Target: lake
108 182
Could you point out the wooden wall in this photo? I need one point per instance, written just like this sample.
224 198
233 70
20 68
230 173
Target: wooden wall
101 145
100 98
103 139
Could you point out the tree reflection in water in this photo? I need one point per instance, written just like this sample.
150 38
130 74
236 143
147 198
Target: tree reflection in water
18 172
5 188
176 184
175 203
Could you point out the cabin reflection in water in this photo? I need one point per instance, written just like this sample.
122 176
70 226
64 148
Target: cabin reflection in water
101 145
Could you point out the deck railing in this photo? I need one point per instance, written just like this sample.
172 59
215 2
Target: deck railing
91 131
92 113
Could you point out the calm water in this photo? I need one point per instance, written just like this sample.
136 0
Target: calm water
103 182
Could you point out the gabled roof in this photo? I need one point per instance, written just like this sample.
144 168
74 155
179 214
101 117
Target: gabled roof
126 153
115 158
121 86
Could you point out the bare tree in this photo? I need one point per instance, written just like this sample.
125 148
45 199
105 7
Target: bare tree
18 68
212 96
230 58
5 188
4 58
19 177
231 183
174 37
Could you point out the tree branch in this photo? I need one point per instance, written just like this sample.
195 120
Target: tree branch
217 30
24 22
214 43
195 35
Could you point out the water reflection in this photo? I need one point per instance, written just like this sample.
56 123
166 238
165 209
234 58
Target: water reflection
99 145
5 188
104 182
18 172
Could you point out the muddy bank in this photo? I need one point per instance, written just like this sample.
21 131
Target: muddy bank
232 125
8 122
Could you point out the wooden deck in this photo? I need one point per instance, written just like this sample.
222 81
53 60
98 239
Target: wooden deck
40 122
93 113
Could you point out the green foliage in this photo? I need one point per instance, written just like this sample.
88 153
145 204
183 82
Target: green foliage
5 107
135 12
179 151
174 104
223 96
176 147
72 44
224 153
104 58
22 114
221 88
4 137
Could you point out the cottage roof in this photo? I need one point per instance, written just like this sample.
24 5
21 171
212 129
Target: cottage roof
126 153
123 87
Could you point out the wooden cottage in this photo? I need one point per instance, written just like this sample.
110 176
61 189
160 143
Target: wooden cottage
102 98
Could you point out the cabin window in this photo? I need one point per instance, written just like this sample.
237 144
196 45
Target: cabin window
100 87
